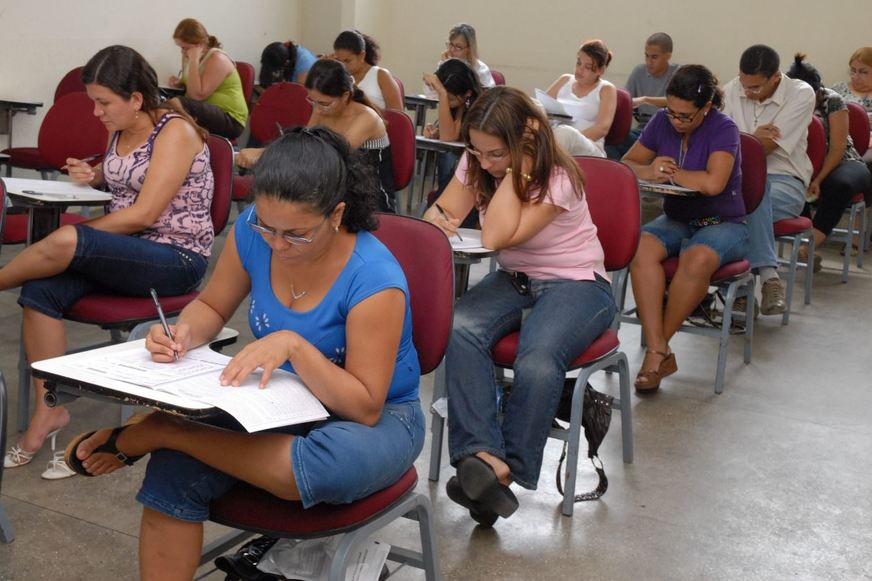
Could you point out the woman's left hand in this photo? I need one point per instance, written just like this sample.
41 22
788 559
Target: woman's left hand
814 191
268 353
434 83
194 53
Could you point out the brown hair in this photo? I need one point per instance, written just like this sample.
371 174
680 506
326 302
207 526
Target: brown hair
192 31
864 55
598 51
509 114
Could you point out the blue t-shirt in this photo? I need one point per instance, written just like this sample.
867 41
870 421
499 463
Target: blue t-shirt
370 269
717 132
305 60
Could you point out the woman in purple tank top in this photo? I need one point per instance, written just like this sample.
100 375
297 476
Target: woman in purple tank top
157 234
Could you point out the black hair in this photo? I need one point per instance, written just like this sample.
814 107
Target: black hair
759 60
358 43
316 166
597 51
277 63
803 71
459 79
661 39
123 71
330 77
697 84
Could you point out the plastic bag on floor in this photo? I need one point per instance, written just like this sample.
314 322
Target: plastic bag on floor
309 560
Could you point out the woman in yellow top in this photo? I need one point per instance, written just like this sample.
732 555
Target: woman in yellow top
213 90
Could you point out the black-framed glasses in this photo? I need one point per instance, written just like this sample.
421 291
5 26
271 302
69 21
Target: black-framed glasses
271 233
681 117
457 47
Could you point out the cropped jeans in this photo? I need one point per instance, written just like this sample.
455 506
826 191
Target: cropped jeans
560 318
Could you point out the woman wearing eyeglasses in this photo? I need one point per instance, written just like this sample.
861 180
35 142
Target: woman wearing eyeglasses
590 99
690 143
463 45
327 301
338 104
551 285
858 89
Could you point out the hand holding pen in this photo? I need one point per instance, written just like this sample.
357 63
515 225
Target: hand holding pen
79 170
450 226
164 324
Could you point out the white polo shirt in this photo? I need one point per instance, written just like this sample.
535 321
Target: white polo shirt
790 108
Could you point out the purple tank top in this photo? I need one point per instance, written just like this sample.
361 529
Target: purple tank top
186 221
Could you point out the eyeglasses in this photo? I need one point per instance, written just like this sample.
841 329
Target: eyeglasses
858 72
681 117
271 233
491 156
756 90
458 47
322 104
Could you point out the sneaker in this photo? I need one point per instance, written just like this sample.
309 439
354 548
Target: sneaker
57 468
773 297
739 307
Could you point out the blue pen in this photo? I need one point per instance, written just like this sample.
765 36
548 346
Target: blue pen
163 319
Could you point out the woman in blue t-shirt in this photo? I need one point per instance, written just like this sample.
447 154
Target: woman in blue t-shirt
328 302
689 143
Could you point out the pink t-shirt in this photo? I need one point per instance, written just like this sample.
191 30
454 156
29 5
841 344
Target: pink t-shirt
567 248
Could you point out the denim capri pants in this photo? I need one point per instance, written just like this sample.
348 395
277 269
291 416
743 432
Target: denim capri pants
729 240
334 461
114 264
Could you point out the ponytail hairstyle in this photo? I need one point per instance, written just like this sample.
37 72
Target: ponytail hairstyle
124 71
697 84
277 63
598 51
316 166
509 114
459 79
330 77
191 31
358 43
803 71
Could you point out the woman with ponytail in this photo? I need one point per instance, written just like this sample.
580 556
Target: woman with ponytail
360 54
284 61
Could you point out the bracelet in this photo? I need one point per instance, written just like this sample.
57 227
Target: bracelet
525 176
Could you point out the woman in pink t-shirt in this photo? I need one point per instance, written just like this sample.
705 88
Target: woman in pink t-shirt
530 197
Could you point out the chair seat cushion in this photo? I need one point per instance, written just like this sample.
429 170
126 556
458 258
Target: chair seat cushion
241 187
251 508
506 349
26 157
728 270
791 226
858 198
117 310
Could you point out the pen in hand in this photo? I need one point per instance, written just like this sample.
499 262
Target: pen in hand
163 320
86 160
444 215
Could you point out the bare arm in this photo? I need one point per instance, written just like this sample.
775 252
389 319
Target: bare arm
556 85
511 222
449 127
838 143
653 101
456 201
605 116
712 180
366 125
216 69
390 90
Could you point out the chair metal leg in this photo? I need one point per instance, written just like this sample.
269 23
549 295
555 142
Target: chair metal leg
437 423
724 337
573 443
7 534
23 415
626 408
791 277
808 238
750 292
863 236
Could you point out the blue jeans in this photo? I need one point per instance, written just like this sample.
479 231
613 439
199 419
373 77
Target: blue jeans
561 318
728 240
114 264
784 198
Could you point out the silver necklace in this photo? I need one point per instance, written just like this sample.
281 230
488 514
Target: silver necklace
295 296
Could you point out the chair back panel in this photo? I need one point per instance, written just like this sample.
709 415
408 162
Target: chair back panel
858 127
246 77
612 193
282 105
753 171
221 161
817 145
401 132
499 78
70 129
70 83
400 87
424 253
620 128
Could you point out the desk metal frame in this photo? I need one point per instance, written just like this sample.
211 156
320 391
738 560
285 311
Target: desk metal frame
9 108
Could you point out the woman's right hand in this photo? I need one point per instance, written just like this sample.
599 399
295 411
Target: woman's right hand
175 81
662 169
443 221
435 84
431 131
162 348
80 171
248 157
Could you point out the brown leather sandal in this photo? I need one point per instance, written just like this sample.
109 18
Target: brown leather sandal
649 381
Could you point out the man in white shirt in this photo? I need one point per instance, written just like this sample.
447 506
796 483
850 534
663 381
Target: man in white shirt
776 110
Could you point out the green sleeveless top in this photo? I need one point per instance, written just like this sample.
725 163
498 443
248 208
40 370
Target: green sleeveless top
229 96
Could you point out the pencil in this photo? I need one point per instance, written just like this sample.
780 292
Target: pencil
86 159
444 215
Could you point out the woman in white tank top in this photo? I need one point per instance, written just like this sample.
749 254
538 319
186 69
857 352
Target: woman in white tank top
359 53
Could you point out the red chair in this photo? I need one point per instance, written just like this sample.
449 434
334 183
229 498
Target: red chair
401 133
499 78
70 83
622 121
798 231
734 279
425 255
246 77
400 87
119 314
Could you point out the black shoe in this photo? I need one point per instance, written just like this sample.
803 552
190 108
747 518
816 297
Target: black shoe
479 513
243 563
479 482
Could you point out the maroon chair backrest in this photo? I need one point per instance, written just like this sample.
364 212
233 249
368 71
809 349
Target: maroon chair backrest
424 253
612 193
281 105
858 127
70 129
70 83
817 145
246 77
753 170
400 87
221 161
401 132
499 78
620 128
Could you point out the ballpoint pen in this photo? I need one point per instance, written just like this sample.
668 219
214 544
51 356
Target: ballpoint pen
85 159
447 219
163 319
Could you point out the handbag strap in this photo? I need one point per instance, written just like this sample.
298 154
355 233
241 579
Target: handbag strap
594 494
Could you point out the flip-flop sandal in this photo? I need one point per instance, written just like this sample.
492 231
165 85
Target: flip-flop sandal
107 447
479 513
479 481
